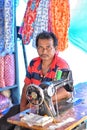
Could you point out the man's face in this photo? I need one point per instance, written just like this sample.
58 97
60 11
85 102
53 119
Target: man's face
45 49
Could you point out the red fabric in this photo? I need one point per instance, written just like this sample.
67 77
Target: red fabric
27 28
9 70
2 80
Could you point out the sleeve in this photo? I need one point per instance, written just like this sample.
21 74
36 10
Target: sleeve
27 79
62 63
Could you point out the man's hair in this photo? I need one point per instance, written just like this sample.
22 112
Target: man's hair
47 35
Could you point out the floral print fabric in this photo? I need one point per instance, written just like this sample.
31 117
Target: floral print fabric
7 26
41 21
60 17
47 15
27 27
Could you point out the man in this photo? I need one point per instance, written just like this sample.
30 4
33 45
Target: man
44 67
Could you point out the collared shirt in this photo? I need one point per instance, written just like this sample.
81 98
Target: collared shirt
34 72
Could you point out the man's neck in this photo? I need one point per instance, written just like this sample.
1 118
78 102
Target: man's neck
45 66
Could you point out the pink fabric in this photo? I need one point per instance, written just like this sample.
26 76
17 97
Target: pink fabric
9 70
2 80
4 103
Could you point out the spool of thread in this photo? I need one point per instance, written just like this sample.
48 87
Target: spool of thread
58 74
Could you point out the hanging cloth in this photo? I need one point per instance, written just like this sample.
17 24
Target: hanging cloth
41 21
1 26
9 26
49 18
60 17
27 28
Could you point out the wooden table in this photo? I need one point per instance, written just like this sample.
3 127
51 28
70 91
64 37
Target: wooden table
78 112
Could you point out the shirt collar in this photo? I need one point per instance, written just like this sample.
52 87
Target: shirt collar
52 64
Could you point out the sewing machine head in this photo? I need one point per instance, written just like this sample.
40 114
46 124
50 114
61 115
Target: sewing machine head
42 95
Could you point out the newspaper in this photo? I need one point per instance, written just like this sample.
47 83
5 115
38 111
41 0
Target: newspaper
38 120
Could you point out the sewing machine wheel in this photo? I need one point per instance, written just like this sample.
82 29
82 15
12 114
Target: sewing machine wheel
34 94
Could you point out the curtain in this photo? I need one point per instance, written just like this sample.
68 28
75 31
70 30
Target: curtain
78 24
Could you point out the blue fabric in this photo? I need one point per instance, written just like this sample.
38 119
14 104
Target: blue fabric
78 24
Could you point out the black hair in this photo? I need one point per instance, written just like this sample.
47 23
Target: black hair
47 35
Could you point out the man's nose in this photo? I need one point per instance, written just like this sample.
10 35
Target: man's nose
44 50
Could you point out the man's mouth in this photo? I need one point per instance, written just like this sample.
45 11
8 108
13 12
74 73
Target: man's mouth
44 55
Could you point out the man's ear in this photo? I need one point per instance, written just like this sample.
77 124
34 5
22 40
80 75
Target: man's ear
56 48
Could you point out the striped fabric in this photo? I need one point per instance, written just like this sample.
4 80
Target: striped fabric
34 73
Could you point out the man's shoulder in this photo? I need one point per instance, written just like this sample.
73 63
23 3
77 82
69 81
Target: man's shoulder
61 62
35 60
60 59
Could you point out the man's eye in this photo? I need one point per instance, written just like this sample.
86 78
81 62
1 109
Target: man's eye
48 47
40 47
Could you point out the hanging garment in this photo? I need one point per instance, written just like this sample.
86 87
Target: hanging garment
1 25
60 17
41 21
9 26
49 18
27 28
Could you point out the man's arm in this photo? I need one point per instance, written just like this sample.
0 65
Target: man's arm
24 103
61 94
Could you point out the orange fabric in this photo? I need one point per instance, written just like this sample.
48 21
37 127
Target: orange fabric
58 21
60 17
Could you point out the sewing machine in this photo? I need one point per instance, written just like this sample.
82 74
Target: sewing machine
41 96
73 118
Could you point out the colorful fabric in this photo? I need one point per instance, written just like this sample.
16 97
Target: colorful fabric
46 15
49 18
41 21
60 17
4 103
9 70
26 29
2 80
1 25
34 72
9 26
